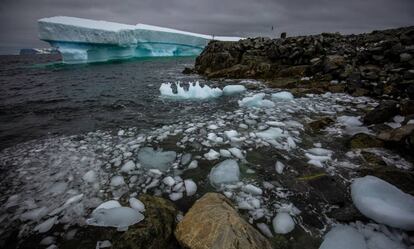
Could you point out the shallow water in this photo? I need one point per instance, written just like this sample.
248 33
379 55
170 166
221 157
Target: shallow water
60 122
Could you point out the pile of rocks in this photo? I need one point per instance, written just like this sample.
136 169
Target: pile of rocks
375 64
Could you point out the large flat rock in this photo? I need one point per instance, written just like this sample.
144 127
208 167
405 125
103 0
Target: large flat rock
213 223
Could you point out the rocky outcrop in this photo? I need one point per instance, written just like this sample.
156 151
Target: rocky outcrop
212 222
374 64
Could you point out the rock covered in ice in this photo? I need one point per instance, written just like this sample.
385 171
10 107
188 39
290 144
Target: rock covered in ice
195 91
343 237
119 217
383 202
136 204
283 223
225 172
256 101
282 95
233 89
152 159
190 187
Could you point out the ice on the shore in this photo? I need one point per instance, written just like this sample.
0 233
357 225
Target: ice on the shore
233 89
89 176
136 204
251 189
270 134
283 223
156 159
195 91
352 124
343 237
169 181
117 181
225 172
383 202
318 156
190 187
256 101
264 229
282 95
212 155
119 217
46 225
128 166
279 166
108 205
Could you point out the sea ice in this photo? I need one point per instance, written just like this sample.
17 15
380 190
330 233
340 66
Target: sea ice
128 166
212 155
169 181
233 89
282 95
175 196
108 205
264 229
225 172
236 152
256 101
251 189
89 176
159 159
119 217
190 187
136 204
270 134
283 223
343 237
117 181
195 91
279 166
383 202
46 225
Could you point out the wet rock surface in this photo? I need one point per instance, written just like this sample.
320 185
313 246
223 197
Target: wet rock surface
212 222
370 64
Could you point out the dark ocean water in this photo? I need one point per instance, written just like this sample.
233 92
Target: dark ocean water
40 97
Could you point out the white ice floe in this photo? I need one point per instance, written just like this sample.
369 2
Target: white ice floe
352 124
233 89
212 155
193 164
251 189
236 152
265 229
195 91
282 95
343 237
119 217
117 181
256 101
128 166
383 202
175 196
283 223
169 181
225 172
190 187
279 166
108 205
151 159
46 225
136 204
89 176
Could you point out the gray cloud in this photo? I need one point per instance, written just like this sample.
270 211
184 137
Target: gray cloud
220 17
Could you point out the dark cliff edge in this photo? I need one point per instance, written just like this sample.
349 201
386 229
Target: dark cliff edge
377 64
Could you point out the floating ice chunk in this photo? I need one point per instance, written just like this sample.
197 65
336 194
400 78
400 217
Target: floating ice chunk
103 244
175 196
46 225
169 181
320 152
243 204
195 91
251 189
214 138
212 155
152 159
108 205
393 125
128 166
282 95
279 167
119 217
256 101
89 176
193 164
411 121
270 134
35 214
225 153
349 120
343 237
186 158
190 187
275 123
212 127
383 202
58 188
398 119
136 204
121 132
225 172
236 152
233 89
265 229
283 223
48 240
117 181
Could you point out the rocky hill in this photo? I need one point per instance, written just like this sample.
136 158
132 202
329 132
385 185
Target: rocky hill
378 64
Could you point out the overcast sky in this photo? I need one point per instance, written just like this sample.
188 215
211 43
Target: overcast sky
219 17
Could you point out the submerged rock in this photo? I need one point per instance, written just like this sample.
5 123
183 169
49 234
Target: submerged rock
382 113
212 222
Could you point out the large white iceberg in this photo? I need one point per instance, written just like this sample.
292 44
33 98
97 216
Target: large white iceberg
194 91
383 202
82 40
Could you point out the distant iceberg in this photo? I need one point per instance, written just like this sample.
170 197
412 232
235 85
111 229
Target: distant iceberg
82 40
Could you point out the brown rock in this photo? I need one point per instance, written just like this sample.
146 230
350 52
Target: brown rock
321 123
212 222
362 140
397 135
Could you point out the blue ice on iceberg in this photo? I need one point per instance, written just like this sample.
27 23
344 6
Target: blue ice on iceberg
82 40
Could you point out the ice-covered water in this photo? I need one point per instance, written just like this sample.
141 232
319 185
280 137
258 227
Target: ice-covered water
239 145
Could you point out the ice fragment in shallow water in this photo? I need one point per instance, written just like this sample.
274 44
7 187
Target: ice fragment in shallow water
270 134
136 204
89 176
117 181
195 91
212 155
264 229
128 166
108 205
256 101
283 223
193 164
169 181
152 159
383 202
119 217
175 196
46 225
279 167
251 189
282 95
343 237
190 187
233 89
225 172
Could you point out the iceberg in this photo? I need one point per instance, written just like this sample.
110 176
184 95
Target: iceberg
83 40
195 91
